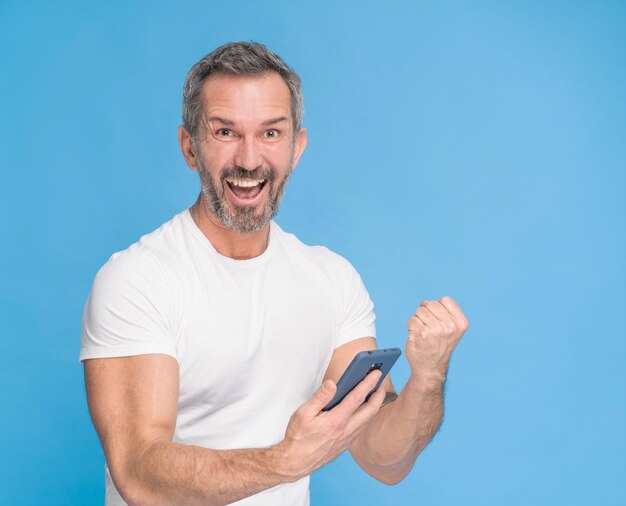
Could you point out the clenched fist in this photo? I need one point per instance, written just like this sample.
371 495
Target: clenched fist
434 331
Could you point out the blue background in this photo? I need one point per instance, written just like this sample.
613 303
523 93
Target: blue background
474 149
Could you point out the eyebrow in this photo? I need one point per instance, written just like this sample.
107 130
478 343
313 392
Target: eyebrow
267 122
221 120
273 121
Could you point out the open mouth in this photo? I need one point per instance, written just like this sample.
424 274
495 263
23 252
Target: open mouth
246 190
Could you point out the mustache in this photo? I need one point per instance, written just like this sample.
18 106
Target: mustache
237 172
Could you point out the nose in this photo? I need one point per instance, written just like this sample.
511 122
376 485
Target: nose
248 154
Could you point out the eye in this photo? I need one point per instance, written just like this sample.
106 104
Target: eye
272 133
224 132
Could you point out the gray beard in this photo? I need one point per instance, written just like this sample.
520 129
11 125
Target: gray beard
241 219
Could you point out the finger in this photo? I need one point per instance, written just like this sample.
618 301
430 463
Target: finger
366 411
322 396
357 395
426 316
454 309
415 323
439 310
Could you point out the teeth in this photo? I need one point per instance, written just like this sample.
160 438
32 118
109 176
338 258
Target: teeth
245 183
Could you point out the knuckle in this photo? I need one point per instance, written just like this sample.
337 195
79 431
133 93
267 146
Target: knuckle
352 400
360 395
432 336
318 398
413 323
347 432
416 336
450 327
428 333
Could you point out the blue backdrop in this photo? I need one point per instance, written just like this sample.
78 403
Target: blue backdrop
474 149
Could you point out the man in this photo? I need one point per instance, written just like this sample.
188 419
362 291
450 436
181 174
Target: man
212 344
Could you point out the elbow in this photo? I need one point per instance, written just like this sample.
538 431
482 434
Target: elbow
132 498
382 468
129 487
135 495
129 490
388 475
130 474
390 482
391 479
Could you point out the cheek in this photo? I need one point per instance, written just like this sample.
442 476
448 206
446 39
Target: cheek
279 156
218 154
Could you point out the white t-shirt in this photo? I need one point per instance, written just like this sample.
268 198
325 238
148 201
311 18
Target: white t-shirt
252 338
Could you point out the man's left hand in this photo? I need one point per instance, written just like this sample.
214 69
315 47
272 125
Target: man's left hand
434 331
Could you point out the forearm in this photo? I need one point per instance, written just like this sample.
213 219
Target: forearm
170 473
389 446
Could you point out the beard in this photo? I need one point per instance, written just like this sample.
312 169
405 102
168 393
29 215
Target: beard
242 219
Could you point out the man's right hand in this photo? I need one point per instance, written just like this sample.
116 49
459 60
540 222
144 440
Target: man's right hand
315 437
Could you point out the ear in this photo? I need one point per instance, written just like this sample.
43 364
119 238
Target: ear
299 146
186 146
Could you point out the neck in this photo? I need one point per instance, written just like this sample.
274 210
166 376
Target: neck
227 242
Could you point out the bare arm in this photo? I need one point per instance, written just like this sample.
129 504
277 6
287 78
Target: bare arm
133 401
388 447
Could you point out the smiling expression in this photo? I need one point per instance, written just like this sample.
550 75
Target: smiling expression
245 148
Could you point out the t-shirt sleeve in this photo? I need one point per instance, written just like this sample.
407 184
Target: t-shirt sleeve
356 318
129 310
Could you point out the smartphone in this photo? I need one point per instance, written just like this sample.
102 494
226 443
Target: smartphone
362 364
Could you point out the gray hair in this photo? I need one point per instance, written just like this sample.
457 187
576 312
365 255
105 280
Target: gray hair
241 59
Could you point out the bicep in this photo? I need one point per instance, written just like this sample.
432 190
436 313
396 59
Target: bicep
132 402
343 355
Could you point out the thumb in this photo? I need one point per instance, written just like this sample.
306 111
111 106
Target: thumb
322 396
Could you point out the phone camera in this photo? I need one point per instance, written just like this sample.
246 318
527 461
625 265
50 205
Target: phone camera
375 366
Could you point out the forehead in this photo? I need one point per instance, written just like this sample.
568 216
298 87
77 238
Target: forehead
246 98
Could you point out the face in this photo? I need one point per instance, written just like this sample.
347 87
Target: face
245 149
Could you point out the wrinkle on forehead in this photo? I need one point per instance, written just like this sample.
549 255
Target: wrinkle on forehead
247 100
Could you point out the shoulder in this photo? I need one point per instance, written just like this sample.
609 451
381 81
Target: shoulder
132 308
148 262
138 282
331 262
